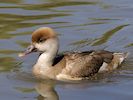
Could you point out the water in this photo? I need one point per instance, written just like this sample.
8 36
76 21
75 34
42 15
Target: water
81 25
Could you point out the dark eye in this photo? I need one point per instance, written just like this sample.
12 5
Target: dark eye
41 40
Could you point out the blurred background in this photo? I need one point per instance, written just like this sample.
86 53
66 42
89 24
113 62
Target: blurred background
81 25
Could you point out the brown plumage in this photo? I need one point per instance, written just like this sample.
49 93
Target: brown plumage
72 65
85 64
42 34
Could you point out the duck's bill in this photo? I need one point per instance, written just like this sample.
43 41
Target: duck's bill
29 50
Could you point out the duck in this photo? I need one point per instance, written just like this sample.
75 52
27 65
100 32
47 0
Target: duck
69 65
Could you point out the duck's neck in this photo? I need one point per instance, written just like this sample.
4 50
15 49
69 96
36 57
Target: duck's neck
43 65
46 59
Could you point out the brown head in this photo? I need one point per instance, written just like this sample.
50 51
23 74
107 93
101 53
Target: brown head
42 34
43 39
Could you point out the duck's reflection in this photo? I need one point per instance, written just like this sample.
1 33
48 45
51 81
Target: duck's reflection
46 90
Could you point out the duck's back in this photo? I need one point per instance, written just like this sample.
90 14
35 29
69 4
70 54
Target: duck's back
85 64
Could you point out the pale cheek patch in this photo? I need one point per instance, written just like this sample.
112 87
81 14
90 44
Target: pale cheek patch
39 47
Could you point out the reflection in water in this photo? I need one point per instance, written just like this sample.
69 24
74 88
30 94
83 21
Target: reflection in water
25 90
9 25
82 43
22 43
99 41
19 20
58 4
8 51
80 23
106 36
46 90
129 45
10 1
8 63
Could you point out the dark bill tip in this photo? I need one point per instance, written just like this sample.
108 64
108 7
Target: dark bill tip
29 50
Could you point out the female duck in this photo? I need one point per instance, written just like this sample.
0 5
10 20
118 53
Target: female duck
69 66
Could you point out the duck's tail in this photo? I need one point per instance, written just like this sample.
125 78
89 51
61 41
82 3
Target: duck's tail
121 56
117 60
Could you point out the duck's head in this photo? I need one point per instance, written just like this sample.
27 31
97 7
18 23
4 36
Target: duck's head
43 39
